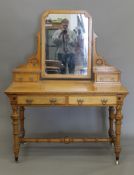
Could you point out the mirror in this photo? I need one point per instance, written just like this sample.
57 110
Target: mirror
66 44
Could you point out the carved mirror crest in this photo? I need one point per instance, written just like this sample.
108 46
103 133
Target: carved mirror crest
66 44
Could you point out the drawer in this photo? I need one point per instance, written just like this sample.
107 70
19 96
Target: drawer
92 100
27 77
107 78
40 100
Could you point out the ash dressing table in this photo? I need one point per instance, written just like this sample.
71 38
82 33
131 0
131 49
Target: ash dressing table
66 71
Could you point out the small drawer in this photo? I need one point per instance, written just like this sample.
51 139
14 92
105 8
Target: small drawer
40 100
25 77
92 100
107 78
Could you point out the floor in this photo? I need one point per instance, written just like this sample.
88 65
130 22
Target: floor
73 159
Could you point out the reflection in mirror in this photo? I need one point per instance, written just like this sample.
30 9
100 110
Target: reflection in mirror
66 44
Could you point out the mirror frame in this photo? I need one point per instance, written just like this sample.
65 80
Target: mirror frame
44 75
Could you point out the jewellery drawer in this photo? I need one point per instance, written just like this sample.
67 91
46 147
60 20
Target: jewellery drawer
25 77
92 100
107 78
50 100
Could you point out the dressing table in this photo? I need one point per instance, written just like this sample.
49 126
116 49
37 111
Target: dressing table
42 81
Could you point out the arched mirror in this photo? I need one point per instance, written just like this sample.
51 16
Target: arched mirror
66 44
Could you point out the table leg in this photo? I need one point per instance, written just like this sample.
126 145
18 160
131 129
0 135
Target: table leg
15 123
111 121
118 118
22 130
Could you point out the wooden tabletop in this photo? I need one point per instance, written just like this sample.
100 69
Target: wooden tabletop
63 86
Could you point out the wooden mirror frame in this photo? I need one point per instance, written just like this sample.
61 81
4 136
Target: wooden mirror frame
44 75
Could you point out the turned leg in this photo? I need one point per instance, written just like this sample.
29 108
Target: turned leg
22 130
111 121
118 118
15 122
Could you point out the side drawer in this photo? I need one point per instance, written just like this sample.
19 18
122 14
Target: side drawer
92 100
40 100
107 78
26 77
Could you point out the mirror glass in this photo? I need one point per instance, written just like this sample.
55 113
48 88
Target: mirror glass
67 45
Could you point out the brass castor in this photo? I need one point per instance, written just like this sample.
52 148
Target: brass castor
117 161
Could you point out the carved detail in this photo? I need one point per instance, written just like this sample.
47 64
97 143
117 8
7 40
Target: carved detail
33 60
13 99
67 140
111 121
99 61
120 99
22 130
15 123
118 118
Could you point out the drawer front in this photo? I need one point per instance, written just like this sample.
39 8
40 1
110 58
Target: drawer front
25 77
48 100
92 100
108 78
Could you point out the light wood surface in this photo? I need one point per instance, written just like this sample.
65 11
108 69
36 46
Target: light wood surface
66 93
64 86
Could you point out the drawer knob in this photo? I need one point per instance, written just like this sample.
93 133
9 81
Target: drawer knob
52 100
104 101
29 101
80 101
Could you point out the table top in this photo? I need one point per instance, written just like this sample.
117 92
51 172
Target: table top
64 86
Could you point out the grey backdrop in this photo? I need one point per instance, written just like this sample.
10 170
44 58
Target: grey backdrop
19 22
